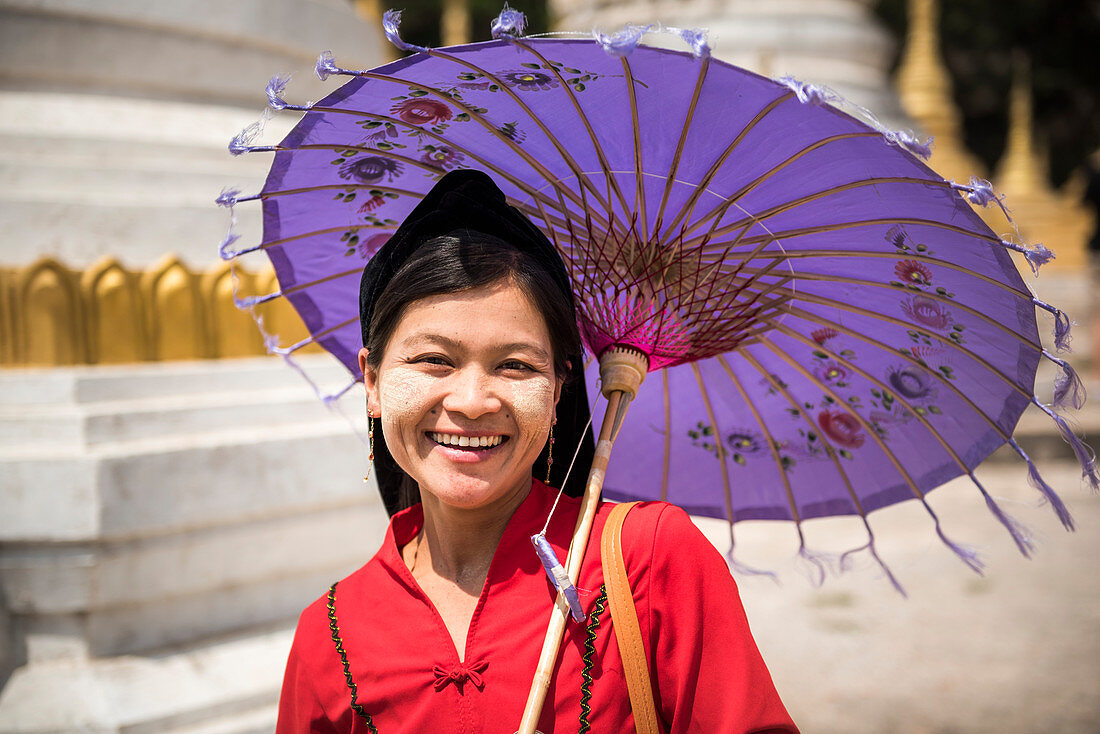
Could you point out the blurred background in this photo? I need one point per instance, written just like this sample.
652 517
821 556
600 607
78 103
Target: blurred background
170 498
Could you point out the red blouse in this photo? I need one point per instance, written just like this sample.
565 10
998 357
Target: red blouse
706 671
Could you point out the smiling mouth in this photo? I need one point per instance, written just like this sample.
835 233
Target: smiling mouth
470 443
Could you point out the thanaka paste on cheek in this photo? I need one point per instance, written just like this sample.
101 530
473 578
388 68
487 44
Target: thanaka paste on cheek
401 394
534 404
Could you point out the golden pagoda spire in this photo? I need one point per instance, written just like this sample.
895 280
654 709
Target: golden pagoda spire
369 9
454 23
925 89
1057 219
1021 170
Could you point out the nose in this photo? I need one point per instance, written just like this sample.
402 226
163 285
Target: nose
471 392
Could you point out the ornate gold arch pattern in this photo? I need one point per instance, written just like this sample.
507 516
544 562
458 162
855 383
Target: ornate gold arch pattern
53 315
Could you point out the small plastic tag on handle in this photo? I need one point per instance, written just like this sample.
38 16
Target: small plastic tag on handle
558 576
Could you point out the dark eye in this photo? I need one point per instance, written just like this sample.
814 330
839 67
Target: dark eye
437 359
515 364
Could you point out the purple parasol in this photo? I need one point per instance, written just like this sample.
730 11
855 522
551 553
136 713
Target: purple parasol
835 327
836 330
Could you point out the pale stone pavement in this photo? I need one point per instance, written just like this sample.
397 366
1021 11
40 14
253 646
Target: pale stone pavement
1015 650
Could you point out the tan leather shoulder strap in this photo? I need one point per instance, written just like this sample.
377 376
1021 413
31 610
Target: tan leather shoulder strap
624 619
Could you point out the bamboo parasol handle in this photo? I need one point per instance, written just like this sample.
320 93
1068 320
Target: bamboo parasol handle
617 402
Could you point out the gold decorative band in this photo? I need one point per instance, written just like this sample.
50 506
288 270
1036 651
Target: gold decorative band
51 314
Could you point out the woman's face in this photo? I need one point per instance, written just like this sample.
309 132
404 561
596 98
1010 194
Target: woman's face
466 393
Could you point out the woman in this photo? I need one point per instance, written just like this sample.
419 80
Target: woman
471 359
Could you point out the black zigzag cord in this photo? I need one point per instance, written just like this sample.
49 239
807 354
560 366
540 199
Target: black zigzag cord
588 657
356 707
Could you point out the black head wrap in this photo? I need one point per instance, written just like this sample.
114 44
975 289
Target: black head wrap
463 202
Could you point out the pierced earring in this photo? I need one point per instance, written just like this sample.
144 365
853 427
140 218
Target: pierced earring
550 453
370 443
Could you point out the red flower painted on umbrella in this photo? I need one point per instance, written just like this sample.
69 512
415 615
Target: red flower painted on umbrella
913 272
419 111
372 203
824 334
372 243
842 429
927 312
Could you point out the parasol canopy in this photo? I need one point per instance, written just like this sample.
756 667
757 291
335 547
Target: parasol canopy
835 328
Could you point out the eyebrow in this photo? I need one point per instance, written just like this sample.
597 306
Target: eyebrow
443 341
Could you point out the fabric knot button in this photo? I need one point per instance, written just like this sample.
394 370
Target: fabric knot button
459 674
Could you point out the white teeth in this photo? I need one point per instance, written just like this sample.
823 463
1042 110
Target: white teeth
450 439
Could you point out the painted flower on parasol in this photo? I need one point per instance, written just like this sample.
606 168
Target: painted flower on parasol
421 111
367 169
841 428
913 272
924 311
910 382
832 373
529 81
834 328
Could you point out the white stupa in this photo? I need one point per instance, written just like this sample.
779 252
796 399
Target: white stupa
836 43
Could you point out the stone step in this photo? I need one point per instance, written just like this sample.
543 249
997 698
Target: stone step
228 685
259 720
134 592
104 383
89 425
157 485
72 411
